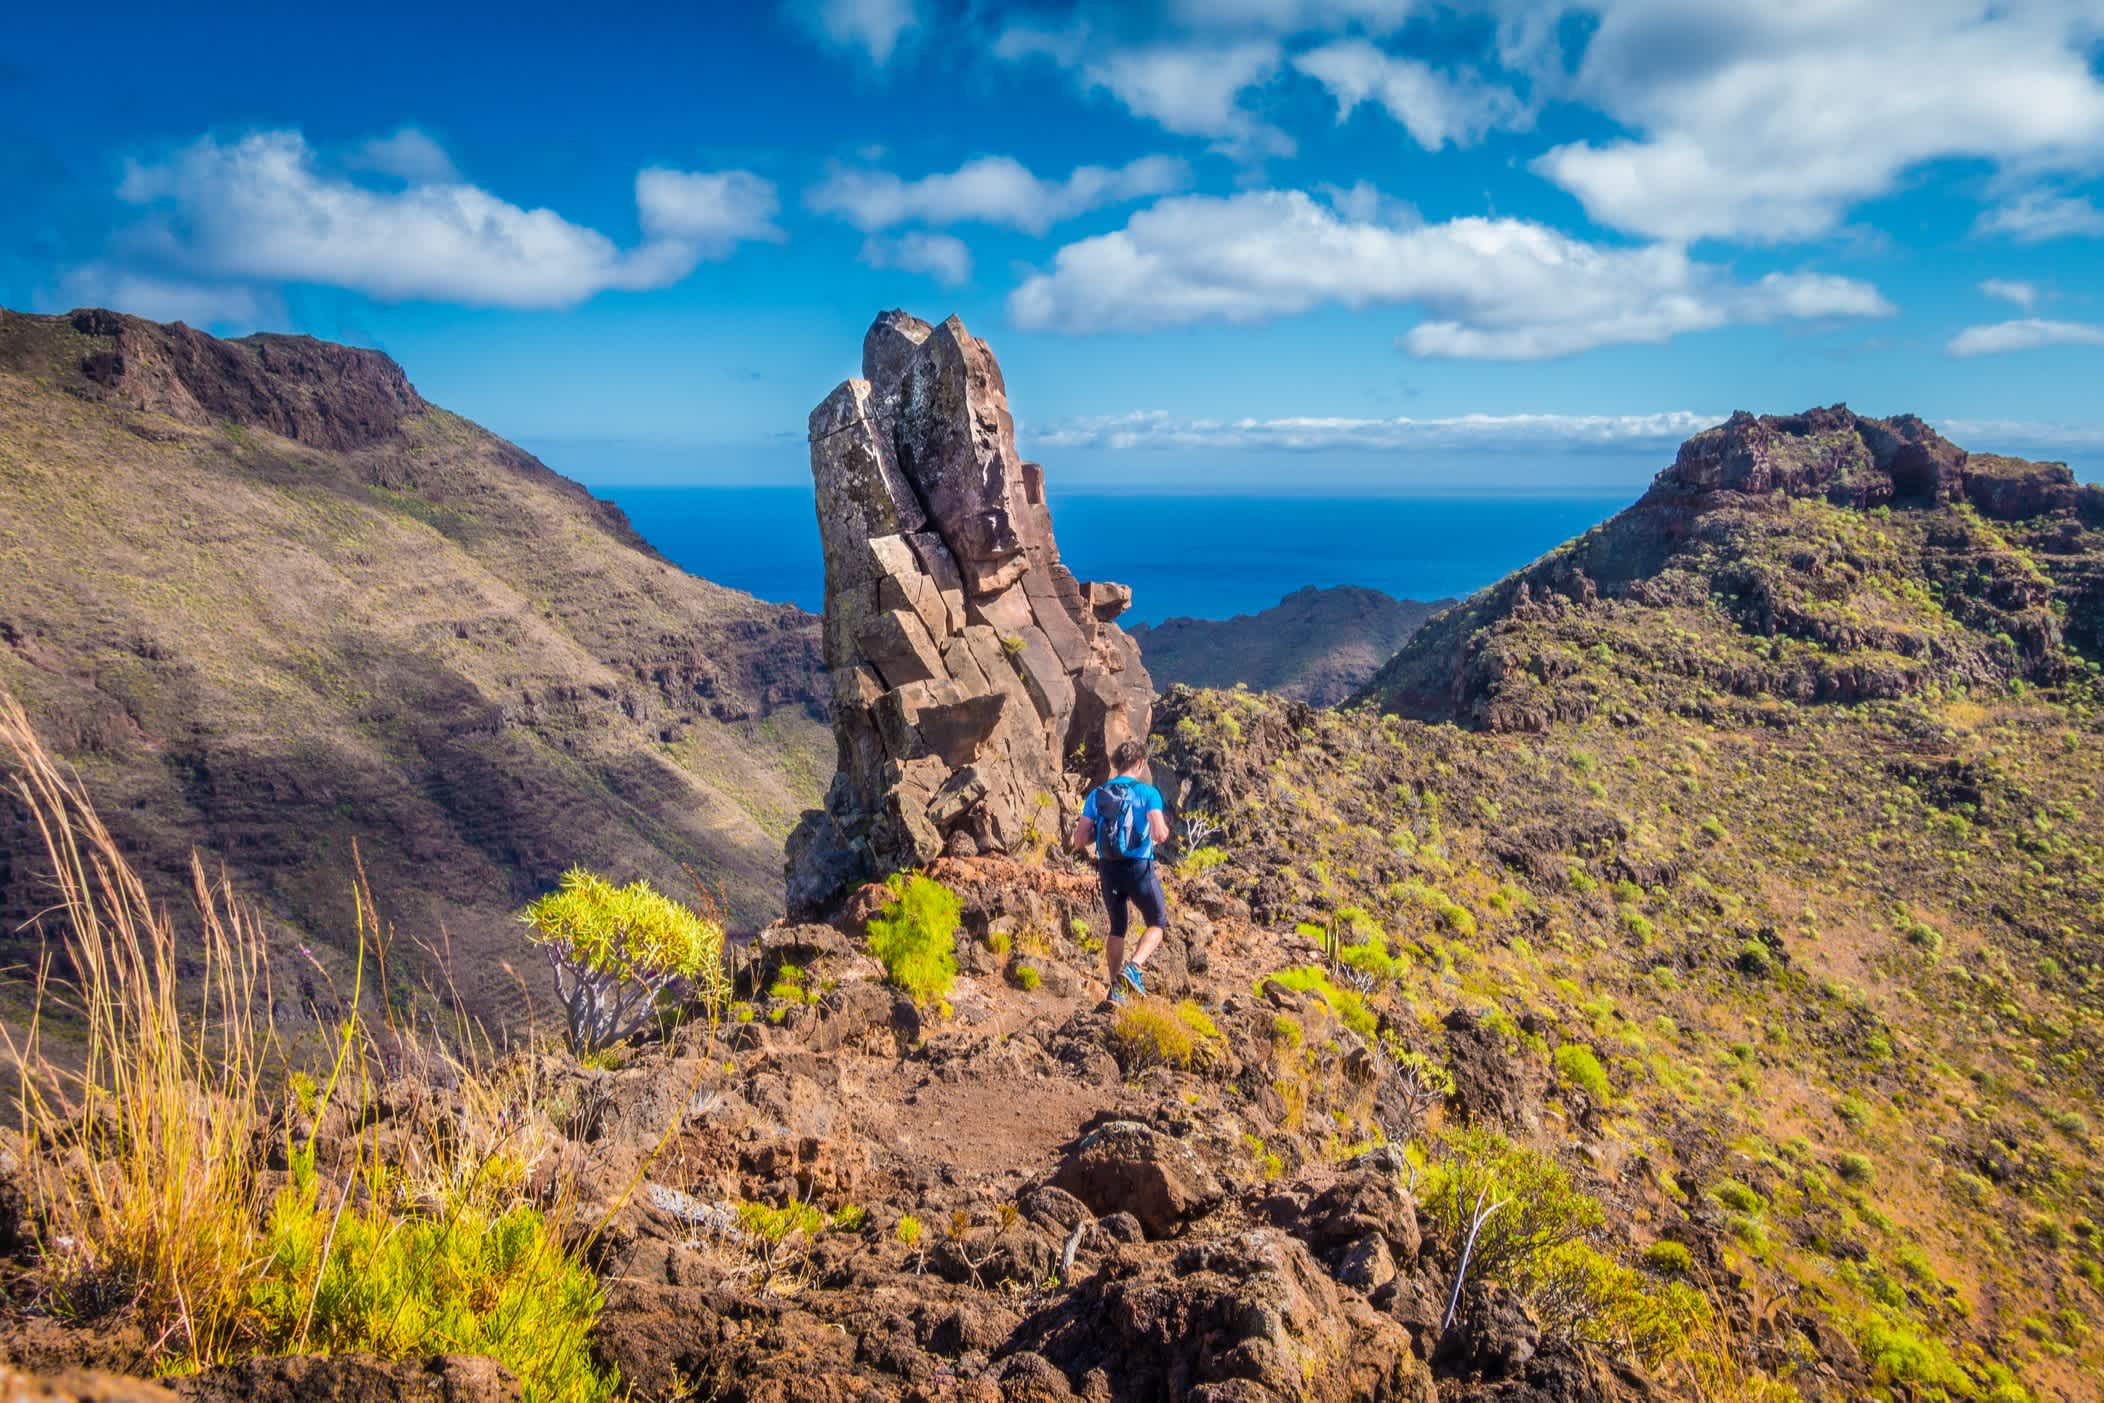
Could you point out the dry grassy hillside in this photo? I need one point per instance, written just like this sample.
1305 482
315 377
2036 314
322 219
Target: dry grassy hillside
272 603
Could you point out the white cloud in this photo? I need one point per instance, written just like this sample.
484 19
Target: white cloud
1190 85
407 155
1502 289
941 256
170 299
1434 108
1195 89
2033 436
2026 334
709 211
873 27
1145 429
1768 122
2023 294
990 190
263 210
2039 215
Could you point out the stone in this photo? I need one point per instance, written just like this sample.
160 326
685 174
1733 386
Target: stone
1107 601
1128 1167
977 684
899 648
1367 1265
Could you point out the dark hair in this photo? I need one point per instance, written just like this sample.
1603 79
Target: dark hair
1128 755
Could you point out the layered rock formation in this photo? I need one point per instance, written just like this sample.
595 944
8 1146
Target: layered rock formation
976 682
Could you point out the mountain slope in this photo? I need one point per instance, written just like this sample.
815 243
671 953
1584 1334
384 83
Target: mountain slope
1315 645
1812 557
271 603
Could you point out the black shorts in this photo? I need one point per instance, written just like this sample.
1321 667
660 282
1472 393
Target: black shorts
1135 882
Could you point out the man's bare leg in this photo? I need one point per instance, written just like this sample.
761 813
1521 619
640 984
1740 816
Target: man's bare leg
1114 956
1150 940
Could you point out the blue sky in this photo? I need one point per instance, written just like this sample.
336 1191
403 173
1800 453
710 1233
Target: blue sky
1297 245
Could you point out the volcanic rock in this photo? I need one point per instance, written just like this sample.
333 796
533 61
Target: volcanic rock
975 682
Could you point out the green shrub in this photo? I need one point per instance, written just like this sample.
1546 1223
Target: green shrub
1151 1032
1669 1258
1855 1168
775 1225
347 1273
1738 1197
1199 861
1350 1009
908 1230
1577 1064
1541 1244
614 949
915 936
1027 977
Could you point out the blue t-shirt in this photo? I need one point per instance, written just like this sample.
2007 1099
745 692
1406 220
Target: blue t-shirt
1150 802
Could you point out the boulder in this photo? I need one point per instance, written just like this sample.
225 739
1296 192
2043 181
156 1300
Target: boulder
1249 1317
977 684
1128 1167
352 1378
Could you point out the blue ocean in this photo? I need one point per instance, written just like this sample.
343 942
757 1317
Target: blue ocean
1200 557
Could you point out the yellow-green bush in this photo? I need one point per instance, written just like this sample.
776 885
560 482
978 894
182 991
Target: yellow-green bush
1544 1243
1579 1065
614 949
360 1272
1350 1009
915 936
1151 1032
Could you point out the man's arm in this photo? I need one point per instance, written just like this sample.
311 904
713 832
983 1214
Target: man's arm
1157 825
1084 833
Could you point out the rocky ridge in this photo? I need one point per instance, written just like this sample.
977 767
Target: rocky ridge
975 680
1822 556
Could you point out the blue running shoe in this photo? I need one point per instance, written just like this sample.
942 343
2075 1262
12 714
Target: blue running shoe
1116 994
1132 977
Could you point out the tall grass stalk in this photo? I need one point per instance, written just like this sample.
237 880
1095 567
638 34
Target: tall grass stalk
155 1088
140 1134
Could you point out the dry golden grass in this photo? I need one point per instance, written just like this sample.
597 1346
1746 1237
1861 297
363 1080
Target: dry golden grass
147 1130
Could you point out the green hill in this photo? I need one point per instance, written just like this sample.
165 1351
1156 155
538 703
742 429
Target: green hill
272 603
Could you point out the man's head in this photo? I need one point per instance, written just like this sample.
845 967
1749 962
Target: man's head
1129 756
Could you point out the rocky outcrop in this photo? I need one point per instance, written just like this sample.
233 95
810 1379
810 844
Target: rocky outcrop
975 680
313 392
1853 461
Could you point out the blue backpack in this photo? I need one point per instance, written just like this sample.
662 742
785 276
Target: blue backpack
1121 821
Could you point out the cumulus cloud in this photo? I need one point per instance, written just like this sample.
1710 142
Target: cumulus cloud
264 209
1435 108
872 27
1503 289
1190 84
2025 334
2023 294
1154 429
940 256
1768 122
2040 215
990 190
407 155
1195 90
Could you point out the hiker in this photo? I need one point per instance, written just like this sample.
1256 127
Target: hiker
1124 818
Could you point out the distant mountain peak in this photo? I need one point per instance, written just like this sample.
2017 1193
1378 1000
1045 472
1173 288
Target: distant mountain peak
1822 556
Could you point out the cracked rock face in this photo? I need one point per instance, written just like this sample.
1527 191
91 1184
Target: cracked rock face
977 685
